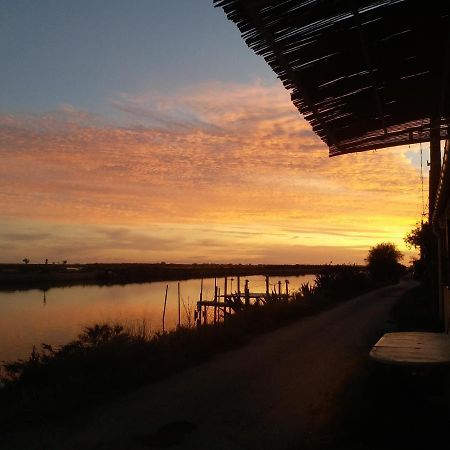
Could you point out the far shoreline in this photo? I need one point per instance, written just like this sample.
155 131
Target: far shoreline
19 277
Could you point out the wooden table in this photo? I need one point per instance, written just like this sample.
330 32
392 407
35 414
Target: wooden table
412 348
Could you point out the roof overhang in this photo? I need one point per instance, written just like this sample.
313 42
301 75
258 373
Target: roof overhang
365 74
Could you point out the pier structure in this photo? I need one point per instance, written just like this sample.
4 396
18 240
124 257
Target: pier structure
227 302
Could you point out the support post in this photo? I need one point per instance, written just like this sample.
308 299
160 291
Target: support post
179 306
218 311
435 170
215 300
246 294
164 311
435 165
225 292
199 306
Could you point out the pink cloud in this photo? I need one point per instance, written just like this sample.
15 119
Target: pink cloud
218 155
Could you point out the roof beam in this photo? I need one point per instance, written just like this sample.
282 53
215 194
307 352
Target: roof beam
283 62
369 67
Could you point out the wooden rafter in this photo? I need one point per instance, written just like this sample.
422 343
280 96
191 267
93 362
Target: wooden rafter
365 74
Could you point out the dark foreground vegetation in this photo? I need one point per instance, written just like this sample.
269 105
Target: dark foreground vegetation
44 276
395 407
108 359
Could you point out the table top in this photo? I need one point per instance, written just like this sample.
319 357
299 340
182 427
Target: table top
412 348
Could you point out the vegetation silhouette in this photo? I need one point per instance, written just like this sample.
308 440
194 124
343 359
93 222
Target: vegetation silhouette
421 237
383 262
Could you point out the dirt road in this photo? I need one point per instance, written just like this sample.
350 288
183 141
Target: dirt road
271 394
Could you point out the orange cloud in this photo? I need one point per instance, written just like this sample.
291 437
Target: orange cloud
223 172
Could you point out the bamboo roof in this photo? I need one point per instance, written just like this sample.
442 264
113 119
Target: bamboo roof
365 74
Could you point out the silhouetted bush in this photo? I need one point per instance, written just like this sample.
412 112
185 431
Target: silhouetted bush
383 262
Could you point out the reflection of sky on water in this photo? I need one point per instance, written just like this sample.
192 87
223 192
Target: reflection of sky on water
57 315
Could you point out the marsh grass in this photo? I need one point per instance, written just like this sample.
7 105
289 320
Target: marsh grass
109 358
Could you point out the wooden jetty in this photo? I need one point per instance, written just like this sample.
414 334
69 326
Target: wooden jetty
226 303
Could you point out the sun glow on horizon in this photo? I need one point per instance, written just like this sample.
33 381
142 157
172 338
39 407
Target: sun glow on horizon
213 173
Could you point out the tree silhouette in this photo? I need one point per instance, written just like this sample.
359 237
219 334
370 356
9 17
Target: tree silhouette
421 237
383 262
26 260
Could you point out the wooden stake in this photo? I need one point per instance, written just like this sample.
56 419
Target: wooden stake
215 300
199 306
164 311
247 294
225 288
218 298
179 306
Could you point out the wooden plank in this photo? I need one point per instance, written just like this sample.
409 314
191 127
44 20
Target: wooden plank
412 348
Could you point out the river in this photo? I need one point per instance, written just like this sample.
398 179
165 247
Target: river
57 315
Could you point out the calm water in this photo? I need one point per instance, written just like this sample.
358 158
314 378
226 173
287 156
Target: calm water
55 317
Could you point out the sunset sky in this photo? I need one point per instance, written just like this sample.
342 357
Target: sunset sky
146 131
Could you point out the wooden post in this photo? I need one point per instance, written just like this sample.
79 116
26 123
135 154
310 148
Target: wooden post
279 289
179 306
247 294
225 289
215 300
164 310
435 165
239 286
287 288
199 306
218 299
435 170
267 285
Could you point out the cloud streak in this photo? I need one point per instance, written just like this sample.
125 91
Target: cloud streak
232 168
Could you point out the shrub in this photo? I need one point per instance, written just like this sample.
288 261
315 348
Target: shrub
383 262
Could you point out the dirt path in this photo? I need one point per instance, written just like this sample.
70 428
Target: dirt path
270 394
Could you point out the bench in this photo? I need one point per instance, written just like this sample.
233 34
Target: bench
413 349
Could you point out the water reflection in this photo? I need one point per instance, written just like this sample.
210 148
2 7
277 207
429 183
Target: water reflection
57 315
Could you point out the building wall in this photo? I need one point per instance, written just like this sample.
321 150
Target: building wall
446 307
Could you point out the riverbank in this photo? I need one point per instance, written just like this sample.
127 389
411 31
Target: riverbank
109 358
278 392
45 276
